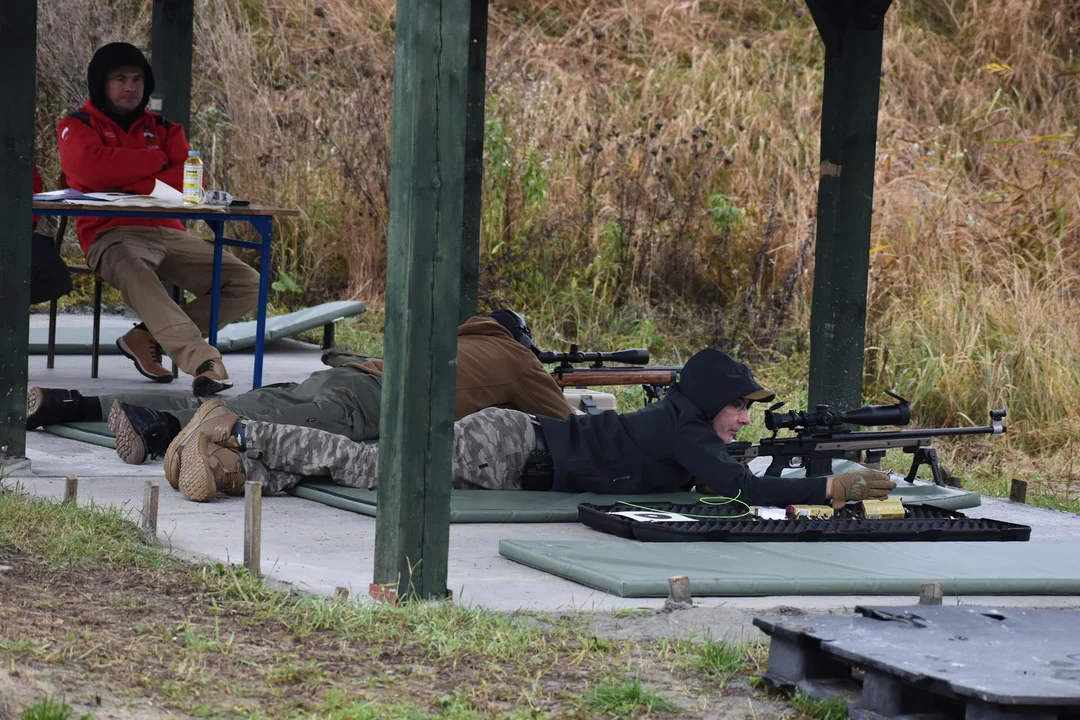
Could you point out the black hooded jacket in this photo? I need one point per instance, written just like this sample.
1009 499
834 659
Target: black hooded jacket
670 444
108 58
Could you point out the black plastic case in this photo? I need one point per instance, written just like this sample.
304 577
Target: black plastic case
923 523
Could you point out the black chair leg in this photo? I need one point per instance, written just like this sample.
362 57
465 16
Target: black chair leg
51 358
96 349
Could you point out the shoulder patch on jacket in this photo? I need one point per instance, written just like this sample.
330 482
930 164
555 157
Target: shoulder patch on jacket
79 115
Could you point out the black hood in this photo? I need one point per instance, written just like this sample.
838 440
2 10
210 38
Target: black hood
108 58
712 379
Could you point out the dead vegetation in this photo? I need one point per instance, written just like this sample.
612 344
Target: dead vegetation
650 175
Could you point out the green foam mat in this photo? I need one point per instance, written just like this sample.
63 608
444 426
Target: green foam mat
502 506
483 506
232 337
634 569
95 433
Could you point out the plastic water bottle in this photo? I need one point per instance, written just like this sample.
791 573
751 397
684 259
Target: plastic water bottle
193 178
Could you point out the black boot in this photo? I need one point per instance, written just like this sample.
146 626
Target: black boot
50 406
141 432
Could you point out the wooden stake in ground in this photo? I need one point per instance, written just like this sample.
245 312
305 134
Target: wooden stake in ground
930 594
1018 491
150 508
71 490
678 593
252 525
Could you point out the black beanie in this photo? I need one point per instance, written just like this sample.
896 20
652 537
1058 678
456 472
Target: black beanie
108 58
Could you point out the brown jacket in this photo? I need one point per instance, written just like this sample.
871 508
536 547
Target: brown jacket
494 370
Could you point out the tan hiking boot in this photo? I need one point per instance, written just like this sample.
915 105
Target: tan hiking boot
207 468
210 379
141 347
212 420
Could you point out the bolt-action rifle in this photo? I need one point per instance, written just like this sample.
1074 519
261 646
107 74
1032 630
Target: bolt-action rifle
654 379
820 438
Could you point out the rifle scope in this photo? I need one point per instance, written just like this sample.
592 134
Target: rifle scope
825 418
636 356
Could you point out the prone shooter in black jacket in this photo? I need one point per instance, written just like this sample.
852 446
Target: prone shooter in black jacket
682 440
667 446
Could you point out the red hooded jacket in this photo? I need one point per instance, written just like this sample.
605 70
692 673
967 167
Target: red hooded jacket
97 155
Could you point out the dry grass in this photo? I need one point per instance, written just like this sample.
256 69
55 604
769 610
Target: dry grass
650 174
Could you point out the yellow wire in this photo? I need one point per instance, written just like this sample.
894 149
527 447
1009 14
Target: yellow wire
711 500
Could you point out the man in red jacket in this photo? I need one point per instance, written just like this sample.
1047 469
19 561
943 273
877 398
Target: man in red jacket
114 144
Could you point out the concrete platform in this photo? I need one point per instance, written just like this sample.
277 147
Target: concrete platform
317 548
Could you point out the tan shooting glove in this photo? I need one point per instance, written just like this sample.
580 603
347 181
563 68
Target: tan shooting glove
862 484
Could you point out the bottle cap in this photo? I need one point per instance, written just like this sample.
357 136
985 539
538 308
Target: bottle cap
193 153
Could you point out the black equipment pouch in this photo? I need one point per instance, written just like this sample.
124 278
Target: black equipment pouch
539 468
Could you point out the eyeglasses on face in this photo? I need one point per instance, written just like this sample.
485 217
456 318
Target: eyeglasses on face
740 404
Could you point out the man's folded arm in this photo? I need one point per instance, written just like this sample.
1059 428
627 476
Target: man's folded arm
89 163
176 150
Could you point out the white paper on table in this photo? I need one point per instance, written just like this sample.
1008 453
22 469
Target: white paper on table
167 193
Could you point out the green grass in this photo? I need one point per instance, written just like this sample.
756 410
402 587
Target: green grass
66 535
50 709
625 699
835 709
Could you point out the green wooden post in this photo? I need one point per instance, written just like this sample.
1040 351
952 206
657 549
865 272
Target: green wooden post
171 38
474 159
427 178
852 33
18 57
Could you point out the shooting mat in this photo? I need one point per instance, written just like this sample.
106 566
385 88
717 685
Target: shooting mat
502 506
232 337
636 569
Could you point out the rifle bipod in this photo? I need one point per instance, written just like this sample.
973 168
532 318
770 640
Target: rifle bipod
928 456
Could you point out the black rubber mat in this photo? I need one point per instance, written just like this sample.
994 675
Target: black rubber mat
714 523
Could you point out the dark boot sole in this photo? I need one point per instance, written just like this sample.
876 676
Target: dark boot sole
129 446
33 400
167 378
39 413
203 386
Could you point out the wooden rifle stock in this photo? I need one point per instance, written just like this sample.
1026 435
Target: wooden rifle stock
587 377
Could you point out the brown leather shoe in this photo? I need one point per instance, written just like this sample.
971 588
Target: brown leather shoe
212 420
210 379
207 468
141 347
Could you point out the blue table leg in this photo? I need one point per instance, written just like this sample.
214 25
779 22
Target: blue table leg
218 226
264 225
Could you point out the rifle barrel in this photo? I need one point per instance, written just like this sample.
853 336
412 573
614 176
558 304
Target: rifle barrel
905 434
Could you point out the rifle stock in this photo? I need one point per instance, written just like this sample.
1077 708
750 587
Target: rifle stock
591 377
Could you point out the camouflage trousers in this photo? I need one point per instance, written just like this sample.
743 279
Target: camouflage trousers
489 452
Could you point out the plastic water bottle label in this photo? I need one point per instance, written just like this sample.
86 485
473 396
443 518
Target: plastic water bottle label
193 191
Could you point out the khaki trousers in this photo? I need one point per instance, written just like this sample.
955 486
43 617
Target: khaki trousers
135 260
